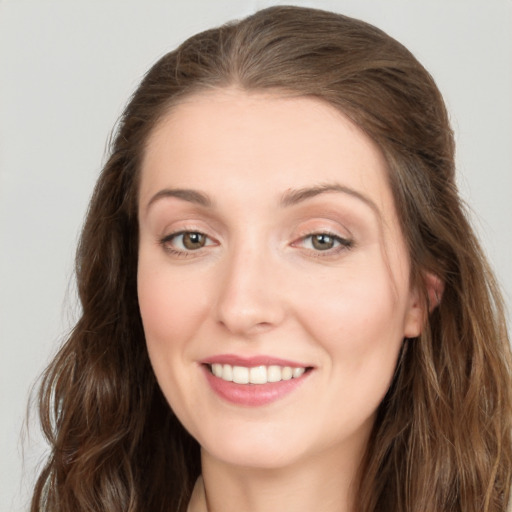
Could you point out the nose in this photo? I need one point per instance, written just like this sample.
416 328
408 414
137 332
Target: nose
250 298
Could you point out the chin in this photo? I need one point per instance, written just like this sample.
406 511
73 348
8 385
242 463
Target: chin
264 446
254 456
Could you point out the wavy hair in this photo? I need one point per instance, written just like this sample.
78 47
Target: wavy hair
442 437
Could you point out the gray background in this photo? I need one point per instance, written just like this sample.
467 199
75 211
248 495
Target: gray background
67 68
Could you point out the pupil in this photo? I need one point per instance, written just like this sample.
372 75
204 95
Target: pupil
323 242
193 240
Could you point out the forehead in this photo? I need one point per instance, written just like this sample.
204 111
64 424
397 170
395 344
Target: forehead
263 142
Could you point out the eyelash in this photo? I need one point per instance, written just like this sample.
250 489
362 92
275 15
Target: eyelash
165 242
342 243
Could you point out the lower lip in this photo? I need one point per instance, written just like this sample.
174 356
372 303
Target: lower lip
253 395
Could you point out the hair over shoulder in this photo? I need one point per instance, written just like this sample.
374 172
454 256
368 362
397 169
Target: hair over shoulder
442 438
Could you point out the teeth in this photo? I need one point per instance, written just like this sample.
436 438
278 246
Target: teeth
217 370
255 374
258 375
286 373
274 374
297 372
240 374
227 372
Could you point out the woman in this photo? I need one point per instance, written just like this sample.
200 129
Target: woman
283 303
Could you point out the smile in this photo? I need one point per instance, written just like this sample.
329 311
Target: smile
256 374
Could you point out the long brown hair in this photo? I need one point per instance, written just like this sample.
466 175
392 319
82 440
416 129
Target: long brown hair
442 438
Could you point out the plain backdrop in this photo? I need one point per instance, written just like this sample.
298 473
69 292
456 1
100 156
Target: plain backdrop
66 70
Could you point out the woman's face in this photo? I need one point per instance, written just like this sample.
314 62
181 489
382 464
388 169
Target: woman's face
270 252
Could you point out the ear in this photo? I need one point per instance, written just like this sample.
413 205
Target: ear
435 290
421 306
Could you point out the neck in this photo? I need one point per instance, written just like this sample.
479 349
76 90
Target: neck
325 484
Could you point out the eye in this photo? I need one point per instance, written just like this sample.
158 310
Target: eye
186 241
324 242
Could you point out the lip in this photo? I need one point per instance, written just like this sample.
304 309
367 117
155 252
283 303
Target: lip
252 395
262 360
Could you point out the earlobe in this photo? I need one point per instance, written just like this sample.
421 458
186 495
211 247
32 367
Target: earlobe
420 306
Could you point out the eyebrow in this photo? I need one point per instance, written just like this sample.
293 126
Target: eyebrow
289 198
293 197
192 196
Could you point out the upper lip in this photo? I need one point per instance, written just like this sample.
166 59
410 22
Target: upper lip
259 360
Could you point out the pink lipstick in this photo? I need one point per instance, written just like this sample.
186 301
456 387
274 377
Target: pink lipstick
253 381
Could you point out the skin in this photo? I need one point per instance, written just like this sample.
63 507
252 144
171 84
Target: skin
260 286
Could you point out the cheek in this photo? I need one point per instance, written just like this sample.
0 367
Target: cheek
359 319
358 323
169 305
171 311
